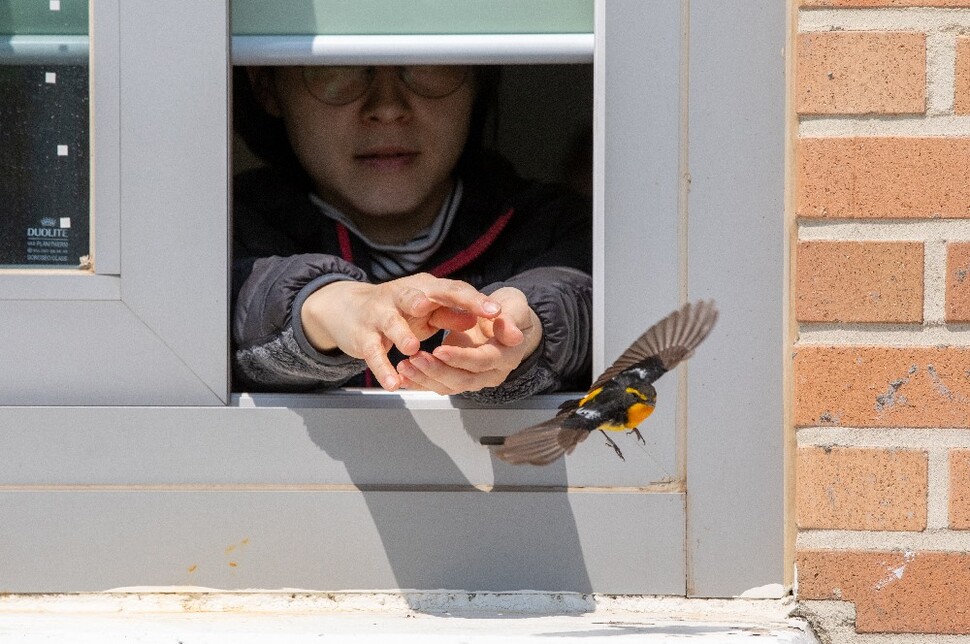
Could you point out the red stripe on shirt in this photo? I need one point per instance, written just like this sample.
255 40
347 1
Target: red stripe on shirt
474 251
343 238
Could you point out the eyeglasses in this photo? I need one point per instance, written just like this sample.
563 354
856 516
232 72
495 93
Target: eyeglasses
340 85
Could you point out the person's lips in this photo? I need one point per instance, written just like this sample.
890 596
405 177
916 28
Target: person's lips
387 158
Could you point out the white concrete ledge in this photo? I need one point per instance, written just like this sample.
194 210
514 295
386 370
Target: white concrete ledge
192 615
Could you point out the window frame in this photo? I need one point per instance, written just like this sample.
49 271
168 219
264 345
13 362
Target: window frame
149 327
174 338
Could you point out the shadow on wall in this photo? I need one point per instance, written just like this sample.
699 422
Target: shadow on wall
435 528
439 531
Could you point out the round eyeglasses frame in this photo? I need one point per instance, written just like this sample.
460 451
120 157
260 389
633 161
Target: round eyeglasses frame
348 83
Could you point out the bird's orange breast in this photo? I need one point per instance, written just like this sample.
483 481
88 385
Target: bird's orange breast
637 413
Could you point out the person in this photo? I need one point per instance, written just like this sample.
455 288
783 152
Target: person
385 242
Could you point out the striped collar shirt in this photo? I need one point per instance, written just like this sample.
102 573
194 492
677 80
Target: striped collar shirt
390 261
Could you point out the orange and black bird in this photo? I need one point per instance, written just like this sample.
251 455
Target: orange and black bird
621 398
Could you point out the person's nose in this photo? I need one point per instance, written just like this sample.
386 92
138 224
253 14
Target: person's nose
387 98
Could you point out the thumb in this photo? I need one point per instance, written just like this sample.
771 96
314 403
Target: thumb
507 332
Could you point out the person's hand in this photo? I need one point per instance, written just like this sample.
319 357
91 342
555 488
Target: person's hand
480 356
364 320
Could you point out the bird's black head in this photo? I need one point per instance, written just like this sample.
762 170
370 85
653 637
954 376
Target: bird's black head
639 380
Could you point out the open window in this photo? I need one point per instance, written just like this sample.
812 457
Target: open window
120 408
536 118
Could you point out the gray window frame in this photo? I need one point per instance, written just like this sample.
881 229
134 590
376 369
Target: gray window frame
119 406
148 325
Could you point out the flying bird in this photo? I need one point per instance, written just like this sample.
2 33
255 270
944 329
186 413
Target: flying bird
621 398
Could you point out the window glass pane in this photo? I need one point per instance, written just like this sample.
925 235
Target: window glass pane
44 134
331 17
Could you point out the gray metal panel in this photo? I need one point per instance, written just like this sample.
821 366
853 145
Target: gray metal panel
106 138
54 540
134 446
58 284
638 264
736 245
175 168
87 353
165 341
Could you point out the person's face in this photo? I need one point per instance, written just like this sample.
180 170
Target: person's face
388 153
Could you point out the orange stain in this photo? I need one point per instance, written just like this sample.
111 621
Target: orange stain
193 567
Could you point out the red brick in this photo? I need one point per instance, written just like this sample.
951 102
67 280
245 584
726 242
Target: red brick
860 4
861 72
872 386
861 489
880 177
958 282
859 282
961 100
894 592
960 489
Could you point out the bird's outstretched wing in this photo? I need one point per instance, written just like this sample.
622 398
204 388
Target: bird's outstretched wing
541 444
671 340
661 348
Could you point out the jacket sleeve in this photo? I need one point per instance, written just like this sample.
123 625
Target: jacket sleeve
562 299
271 351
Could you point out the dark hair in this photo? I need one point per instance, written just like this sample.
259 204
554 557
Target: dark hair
266 136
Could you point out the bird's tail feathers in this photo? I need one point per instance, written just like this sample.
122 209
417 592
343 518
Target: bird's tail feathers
540 444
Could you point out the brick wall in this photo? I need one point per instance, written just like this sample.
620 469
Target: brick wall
881 294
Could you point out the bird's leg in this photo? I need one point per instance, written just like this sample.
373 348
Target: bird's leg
636 432
616 448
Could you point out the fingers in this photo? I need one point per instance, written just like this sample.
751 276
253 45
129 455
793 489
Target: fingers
482 356
452 319
374 353
458 295
429 372
472 360
429 304
476 359
424 371
507 332
416 379
412 302
397 330
518 325
366 320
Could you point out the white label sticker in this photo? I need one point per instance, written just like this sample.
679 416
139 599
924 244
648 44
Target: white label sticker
65 222
62 150
55 5
50 77
48 244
